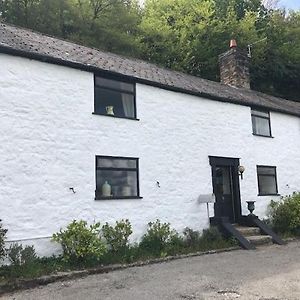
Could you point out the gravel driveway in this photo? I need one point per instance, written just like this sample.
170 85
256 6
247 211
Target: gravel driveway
269 273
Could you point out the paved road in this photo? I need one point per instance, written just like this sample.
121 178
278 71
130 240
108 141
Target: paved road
270 273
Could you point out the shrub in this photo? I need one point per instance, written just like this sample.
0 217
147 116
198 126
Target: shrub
284 215
81 242
117 237
2 240
19 256
158 237
191 237
211 234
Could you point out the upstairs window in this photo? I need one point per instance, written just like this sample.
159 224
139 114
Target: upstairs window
261 123
114 98
117 178
267 180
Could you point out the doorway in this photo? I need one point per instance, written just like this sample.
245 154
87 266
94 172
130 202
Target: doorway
226 187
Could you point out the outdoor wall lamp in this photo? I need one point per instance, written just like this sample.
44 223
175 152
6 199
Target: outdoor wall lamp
241 170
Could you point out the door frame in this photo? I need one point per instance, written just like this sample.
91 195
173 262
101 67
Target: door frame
234 163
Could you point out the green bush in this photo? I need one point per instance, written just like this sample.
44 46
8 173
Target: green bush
81 242
19 256
284 215
211 234
2 240
191 237
117 237
158 238
24 262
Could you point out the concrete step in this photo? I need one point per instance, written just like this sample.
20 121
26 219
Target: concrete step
260 240
248 231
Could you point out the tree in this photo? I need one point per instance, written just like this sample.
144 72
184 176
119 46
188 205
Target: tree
106 24
189 35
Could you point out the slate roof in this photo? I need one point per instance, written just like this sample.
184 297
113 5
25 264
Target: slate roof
27 43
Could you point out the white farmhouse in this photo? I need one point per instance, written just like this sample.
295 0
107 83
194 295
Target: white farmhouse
91 135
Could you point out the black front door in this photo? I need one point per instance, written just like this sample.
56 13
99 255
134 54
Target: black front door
225 181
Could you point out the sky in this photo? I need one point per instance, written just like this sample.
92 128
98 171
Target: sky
290 4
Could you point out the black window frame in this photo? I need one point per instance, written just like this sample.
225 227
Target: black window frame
267 175
98 193
124 80
253 115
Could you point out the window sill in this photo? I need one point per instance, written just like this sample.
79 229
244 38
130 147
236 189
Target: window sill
261 135
134 119
118 198
268 194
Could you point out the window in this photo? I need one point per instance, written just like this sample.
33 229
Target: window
117 178
261 123
114 98
267 180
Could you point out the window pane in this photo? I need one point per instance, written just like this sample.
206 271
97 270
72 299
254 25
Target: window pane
260 113
261 126
266 170
114 103
123 183
116 163
223 184
267 185
115 84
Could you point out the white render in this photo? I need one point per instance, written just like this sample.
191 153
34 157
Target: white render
49 138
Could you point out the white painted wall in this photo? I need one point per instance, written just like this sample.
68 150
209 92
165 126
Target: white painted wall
49 138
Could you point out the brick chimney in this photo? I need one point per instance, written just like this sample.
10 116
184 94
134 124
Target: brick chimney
234 67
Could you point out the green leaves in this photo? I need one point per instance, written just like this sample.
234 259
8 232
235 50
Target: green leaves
117 237
285 214
160 238
2 240
19 256
81 241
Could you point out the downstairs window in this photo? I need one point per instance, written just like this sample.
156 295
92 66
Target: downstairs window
117 178
267 180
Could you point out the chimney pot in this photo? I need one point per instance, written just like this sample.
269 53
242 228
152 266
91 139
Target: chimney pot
233 43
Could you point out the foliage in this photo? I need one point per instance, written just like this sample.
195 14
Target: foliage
83 247
191 237
212 234
284 215
2 240
117 237
210 238
81 242
19 256
106 24
158 237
